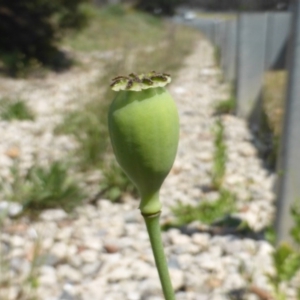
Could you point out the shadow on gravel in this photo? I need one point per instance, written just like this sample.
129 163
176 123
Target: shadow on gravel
229 225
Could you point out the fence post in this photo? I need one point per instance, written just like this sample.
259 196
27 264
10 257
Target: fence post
252 29
230 45
277 37
223 45
289 155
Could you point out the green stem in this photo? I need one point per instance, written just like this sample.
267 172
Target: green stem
153 227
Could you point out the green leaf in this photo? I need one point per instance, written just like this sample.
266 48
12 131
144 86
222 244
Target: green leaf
286 262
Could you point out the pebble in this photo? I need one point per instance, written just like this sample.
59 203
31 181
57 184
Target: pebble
59 250
90 269
66 272
88 256
11 209
53 215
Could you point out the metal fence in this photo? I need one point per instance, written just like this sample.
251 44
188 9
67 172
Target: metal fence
249 44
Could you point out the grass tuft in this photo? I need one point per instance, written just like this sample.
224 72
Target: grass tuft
220 156
286 263
206 212
44 188
226 107
15 110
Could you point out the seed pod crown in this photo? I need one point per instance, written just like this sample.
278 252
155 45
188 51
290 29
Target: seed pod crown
134 82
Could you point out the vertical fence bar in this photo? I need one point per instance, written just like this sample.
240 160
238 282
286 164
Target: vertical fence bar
218 35
252 29
216 25
277 38
223 45
231 44
289 156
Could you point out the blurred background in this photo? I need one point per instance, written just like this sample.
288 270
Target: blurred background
41 24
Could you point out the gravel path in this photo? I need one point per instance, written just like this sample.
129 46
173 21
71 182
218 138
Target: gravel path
103 252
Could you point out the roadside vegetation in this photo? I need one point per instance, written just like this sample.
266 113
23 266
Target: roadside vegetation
286 260
220 156
206 211
43 188
226 107
211 212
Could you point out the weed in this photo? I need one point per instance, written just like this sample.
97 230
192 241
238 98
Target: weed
226 107
29 282
44 188
217 55
206 212
220 156
115 183
286 258
286 263
15 110
295 231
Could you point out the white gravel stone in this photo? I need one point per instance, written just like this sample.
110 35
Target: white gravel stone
201 239
17 241
14 209
59 250
180 239
53 215
93 243
120 273
89 256
177 279
91 269
68 273
64 233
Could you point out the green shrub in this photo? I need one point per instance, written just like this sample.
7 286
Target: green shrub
29 30
44 188
115 10
165 7
15 110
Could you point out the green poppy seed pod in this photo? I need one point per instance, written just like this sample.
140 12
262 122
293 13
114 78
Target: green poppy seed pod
144 130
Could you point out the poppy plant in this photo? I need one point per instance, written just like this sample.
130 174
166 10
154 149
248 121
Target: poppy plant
144 131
